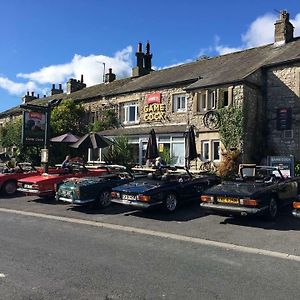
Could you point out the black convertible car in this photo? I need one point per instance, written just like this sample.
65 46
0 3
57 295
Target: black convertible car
296 205
259 190
166 187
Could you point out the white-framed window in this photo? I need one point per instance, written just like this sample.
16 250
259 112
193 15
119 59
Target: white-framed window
131 112
205 150
201 104
212 99
179 103
225 98
216 150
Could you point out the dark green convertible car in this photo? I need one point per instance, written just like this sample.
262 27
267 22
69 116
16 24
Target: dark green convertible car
92 190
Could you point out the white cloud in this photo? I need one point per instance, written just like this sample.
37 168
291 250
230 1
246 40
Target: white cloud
260 32
15 88
90 66
296 23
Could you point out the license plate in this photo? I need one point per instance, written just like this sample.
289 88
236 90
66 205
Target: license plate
129 197
27 186
228 200
67 193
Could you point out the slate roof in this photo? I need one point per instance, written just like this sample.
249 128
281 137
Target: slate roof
217 70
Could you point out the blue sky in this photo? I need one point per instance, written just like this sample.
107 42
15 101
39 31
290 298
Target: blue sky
49 41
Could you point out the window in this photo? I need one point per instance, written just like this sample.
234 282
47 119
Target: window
205 150
215 150
212 100
130 112
201 104
179 103
225 98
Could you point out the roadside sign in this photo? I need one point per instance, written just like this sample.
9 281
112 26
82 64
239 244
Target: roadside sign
284 163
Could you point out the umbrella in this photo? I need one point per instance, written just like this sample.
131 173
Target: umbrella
65 138
151 151
190 146
92 140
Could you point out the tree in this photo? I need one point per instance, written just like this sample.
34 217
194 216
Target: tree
68 117
10 134
108 120
120 152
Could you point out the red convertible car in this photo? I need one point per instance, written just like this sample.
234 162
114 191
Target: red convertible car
44 185
10 176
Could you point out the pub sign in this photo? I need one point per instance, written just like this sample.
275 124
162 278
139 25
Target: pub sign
33 129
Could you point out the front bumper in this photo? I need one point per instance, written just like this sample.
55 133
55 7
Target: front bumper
36 192
296 213
239 210
135 203
76 201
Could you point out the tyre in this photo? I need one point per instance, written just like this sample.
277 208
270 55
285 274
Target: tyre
9 187
170 203
272 211
103 199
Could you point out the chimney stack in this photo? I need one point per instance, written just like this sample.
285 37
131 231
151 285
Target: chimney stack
143 61
27 98
55 91
110 76
284 30
74 85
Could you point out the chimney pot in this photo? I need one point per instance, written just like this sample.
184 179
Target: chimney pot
53 86
59 86
32 94
81 80
140 47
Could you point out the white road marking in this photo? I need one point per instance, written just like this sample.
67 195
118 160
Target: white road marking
2 275
166 235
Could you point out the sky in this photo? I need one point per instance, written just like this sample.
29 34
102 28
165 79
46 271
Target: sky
45 42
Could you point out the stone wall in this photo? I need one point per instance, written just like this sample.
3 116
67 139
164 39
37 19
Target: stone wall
254 124
283 92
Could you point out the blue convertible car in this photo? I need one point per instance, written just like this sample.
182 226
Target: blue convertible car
164 187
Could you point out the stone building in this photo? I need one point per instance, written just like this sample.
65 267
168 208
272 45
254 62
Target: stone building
263 81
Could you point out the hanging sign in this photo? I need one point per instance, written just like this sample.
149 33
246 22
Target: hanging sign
153 98
33 130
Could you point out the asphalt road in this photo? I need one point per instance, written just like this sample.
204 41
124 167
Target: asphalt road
55 252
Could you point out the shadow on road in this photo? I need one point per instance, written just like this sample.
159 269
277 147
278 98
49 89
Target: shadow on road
184 213
48 200
110 210
284 222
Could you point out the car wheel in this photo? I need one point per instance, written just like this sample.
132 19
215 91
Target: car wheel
103 200
170 203
272 211
10 187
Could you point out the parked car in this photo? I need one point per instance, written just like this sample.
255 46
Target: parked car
10 176
296 205
163 187
258 190
92 190
44 185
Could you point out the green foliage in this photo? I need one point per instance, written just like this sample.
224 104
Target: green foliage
68 117
120 152
108 120
10 134
231 130
297 168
